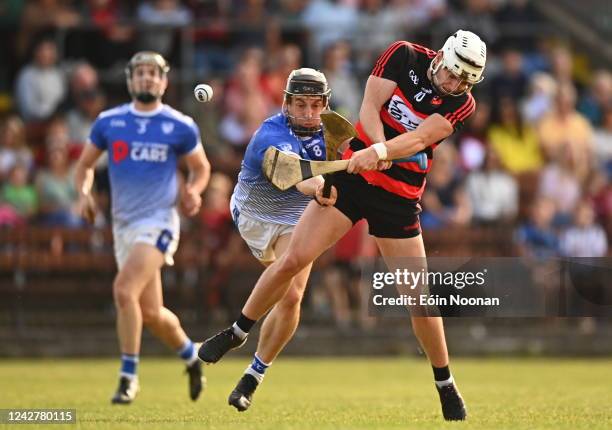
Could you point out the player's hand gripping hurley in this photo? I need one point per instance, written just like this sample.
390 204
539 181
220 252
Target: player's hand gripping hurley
285 170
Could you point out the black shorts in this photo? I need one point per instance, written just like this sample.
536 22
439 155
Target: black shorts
388 215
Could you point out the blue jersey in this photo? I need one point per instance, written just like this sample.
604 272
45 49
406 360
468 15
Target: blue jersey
254 195
143 149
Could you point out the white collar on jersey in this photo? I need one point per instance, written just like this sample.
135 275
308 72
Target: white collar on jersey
154 112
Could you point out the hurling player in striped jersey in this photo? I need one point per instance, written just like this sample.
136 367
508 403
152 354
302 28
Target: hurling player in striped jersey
414 99
266 217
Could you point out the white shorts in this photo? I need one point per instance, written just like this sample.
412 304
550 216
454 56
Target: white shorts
260 236
161 230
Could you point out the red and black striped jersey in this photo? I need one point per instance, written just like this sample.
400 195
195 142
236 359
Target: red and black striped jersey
413 100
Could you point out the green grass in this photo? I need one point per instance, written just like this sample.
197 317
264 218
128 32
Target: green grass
338 393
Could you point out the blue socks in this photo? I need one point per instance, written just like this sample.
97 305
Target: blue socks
257 368
129 365
188 352
129 362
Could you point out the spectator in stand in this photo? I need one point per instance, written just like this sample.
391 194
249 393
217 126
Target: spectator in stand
445 201
565 128
537 238
329 21
18 193
213 40
473 142
220 244
493 193
287 59
13 147
57 196
510 81
515 143
418 14
559 184
113 39
519 14
10 13
163 18
599 191
247 104
598 98
254 25
41 86
540 99
473 15
208 116
43 15
602 141
585 238
562 65
337 69
342 278
538 244
87 102
377 24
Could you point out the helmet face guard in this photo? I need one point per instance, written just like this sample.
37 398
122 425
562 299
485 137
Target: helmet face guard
463 56
308 83
150 58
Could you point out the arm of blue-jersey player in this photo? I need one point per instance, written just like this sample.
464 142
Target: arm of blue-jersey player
83 181
314 187
199 175
309 186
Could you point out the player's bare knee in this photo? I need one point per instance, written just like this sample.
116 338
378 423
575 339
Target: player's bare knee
151 316
123 294
292 299
292 263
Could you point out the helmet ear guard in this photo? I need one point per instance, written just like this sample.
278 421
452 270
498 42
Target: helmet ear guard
308 83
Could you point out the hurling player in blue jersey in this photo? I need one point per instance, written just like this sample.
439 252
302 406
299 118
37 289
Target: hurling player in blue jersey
265 216
145 140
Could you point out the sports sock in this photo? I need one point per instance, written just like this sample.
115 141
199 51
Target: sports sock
242 326
257 368
442 376
129 365
188 352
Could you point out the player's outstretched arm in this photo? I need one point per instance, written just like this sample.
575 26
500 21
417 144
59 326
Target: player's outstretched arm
83 181
199 175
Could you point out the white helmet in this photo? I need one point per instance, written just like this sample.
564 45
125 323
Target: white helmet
465 54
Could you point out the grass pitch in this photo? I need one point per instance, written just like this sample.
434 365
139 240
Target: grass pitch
335 393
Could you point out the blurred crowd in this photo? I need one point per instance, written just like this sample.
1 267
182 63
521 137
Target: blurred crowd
536 157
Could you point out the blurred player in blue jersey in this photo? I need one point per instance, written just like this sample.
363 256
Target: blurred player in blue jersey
145 140
266 216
